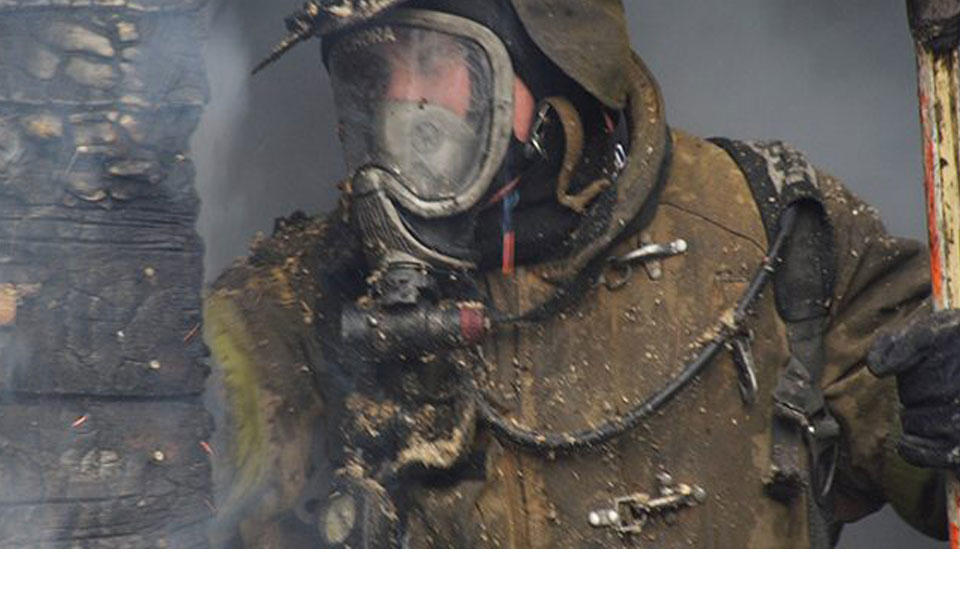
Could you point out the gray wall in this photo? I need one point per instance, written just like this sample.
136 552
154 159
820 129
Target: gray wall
835 78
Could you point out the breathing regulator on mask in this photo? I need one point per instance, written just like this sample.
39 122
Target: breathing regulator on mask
427 101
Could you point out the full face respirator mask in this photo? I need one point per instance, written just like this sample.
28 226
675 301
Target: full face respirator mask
426 107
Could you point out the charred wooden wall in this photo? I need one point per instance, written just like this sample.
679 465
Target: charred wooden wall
101 357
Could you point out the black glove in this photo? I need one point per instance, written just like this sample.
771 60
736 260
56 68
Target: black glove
925 357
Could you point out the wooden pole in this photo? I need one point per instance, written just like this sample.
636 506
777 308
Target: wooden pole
935 25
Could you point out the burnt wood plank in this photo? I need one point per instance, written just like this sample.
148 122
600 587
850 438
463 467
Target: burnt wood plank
100 274
83 473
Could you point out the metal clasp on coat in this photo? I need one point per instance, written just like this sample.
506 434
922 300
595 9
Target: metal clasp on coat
535 147
623 265
630 514
740 346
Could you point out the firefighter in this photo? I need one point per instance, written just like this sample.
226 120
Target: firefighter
540 317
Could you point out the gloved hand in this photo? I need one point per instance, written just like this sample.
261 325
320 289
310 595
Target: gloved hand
925 357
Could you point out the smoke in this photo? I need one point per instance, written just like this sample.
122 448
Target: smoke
220 131
266 146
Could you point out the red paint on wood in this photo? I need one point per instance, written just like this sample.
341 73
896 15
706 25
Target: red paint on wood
955 521
930 178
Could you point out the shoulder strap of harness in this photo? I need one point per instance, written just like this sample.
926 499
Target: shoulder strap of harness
779 177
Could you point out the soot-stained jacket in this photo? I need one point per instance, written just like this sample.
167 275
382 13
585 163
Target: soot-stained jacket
271 322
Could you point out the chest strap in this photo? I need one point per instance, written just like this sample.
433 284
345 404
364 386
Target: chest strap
780 177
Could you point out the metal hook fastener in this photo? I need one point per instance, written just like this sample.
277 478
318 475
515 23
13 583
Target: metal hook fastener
535 147
652 251
645 253
746 365
619 158
630 514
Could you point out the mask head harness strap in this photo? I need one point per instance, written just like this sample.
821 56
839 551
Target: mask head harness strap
568 118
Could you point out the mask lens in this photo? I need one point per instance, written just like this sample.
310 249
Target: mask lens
414 102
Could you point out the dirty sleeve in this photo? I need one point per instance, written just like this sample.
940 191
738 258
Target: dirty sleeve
882 283
261 320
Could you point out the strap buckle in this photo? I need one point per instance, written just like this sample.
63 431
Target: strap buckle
800 407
